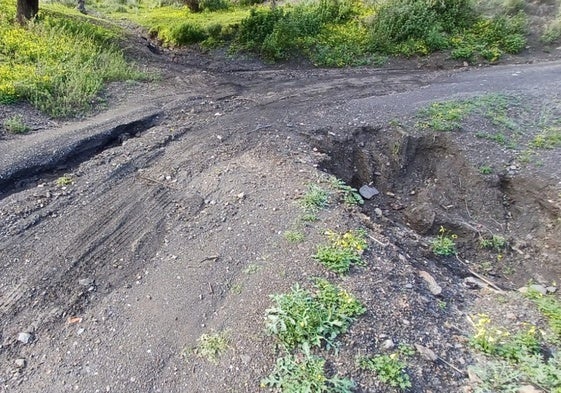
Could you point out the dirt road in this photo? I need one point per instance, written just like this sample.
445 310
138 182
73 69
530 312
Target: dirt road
126 237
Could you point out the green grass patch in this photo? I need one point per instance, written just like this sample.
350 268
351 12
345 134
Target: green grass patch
451 115
494 242
547 139
60 62
550 307
304 319
176 26
342 250
330 33
294 236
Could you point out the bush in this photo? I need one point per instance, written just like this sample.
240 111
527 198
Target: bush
188 33
214 5
422 24
281 33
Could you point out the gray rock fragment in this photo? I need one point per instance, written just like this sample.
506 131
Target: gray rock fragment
368 192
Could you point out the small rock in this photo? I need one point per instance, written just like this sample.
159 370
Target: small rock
434 288
538 288
86 282
241 195
408 286
551 289
25 337
378 212
20 363
367 192
474 283
426 353
387 344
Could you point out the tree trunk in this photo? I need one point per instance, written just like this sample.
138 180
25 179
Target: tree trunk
26 10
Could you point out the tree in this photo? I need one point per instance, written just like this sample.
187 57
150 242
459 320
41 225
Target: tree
26 10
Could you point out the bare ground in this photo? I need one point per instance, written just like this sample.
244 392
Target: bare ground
176 230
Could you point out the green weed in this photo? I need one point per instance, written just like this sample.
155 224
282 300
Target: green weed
314 199
212 346
444 244
389 369
294 236
548 139
64 181
303 319
342 251
445 116
495 242
550 307
514 360
252 268
305 373
485 170
348 194
552 31
15 125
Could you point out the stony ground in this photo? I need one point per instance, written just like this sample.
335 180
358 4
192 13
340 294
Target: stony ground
168 229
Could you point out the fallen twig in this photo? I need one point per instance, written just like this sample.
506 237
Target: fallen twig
479 276
378 241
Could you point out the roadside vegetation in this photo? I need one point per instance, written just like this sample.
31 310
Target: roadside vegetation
333 33
60 62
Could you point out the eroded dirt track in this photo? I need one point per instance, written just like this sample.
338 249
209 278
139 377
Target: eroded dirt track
176 230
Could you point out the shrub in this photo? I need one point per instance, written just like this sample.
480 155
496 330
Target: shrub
15 125
281 33
214 5
419 23
188 33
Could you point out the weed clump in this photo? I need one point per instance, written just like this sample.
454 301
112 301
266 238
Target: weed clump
305 373
389 369
444 244
15 125
303 319
513 359
342 251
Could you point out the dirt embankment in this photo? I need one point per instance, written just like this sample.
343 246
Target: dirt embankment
117 261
